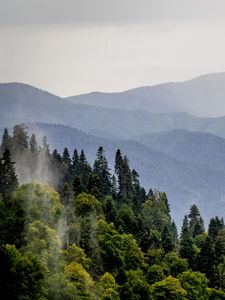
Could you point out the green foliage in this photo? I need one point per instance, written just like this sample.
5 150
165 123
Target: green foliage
168 289
195 283
76 254
155 212
196 224
85 204
174 264
39 202
81 279
155 273
44 242
187 249
8 178
101 169
215 225
109 208
21 276
59 287
104 239
126 219
214 294
107 287
135 286
118 250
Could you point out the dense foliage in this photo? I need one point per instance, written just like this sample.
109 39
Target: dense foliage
76 231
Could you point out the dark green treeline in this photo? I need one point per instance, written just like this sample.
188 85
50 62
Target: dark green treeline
73 230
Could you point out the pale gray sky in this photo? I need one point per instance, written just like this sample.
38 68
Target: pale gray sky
75 46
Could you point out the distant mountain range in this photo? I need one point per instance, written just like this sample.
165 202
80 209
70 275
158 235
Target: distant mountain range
172 150
23 103
201 96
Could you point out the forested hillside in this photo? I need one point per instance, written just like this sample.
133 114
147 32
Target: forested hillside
76 230
187 165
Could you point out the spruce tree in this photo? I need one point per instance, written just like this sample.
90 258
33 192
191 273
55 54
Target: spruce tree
75 160
20 138
102 170
196 224
83 170
66 157
94 185
207 258
8 178
186 243
77 186
167 239
45 147
6 141
33 144
215 225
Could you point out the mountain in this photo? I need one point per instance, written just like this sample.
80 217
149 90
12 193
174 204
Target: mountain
201 96
184 182
23 103
164 160
194 147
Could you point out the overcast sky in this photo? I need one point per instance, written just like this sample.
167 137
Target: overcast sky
75 46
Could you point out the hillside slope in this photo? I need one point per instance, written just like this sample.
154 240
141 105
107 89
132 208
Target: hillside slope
184 182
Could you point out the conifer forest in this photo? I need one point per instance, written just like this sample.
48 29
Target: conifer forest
74 230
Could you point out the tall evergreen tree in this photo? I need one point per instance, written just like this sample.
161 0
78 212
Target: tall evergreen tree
33 144
75 161
124 178
94 185
167 239
196 224
206 259
102 170
83 170
8 178
215 225
77 185
186 243
6 141
66 157
45 147
20 138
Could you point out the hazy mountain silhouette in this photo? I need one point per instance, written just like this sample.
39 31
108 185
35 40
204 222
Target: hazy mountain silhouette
201 96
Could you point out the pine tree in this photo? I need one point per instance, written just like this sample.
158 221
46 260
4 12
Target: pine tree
196 224
215 225
6 141
66 157
8 178
206 259
56 156
33 144
45 147
20 138
77 185
75 160
83 170
167 239
139 195
174 232
124 178
150 194
101 169
118 162
186 243
94 185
